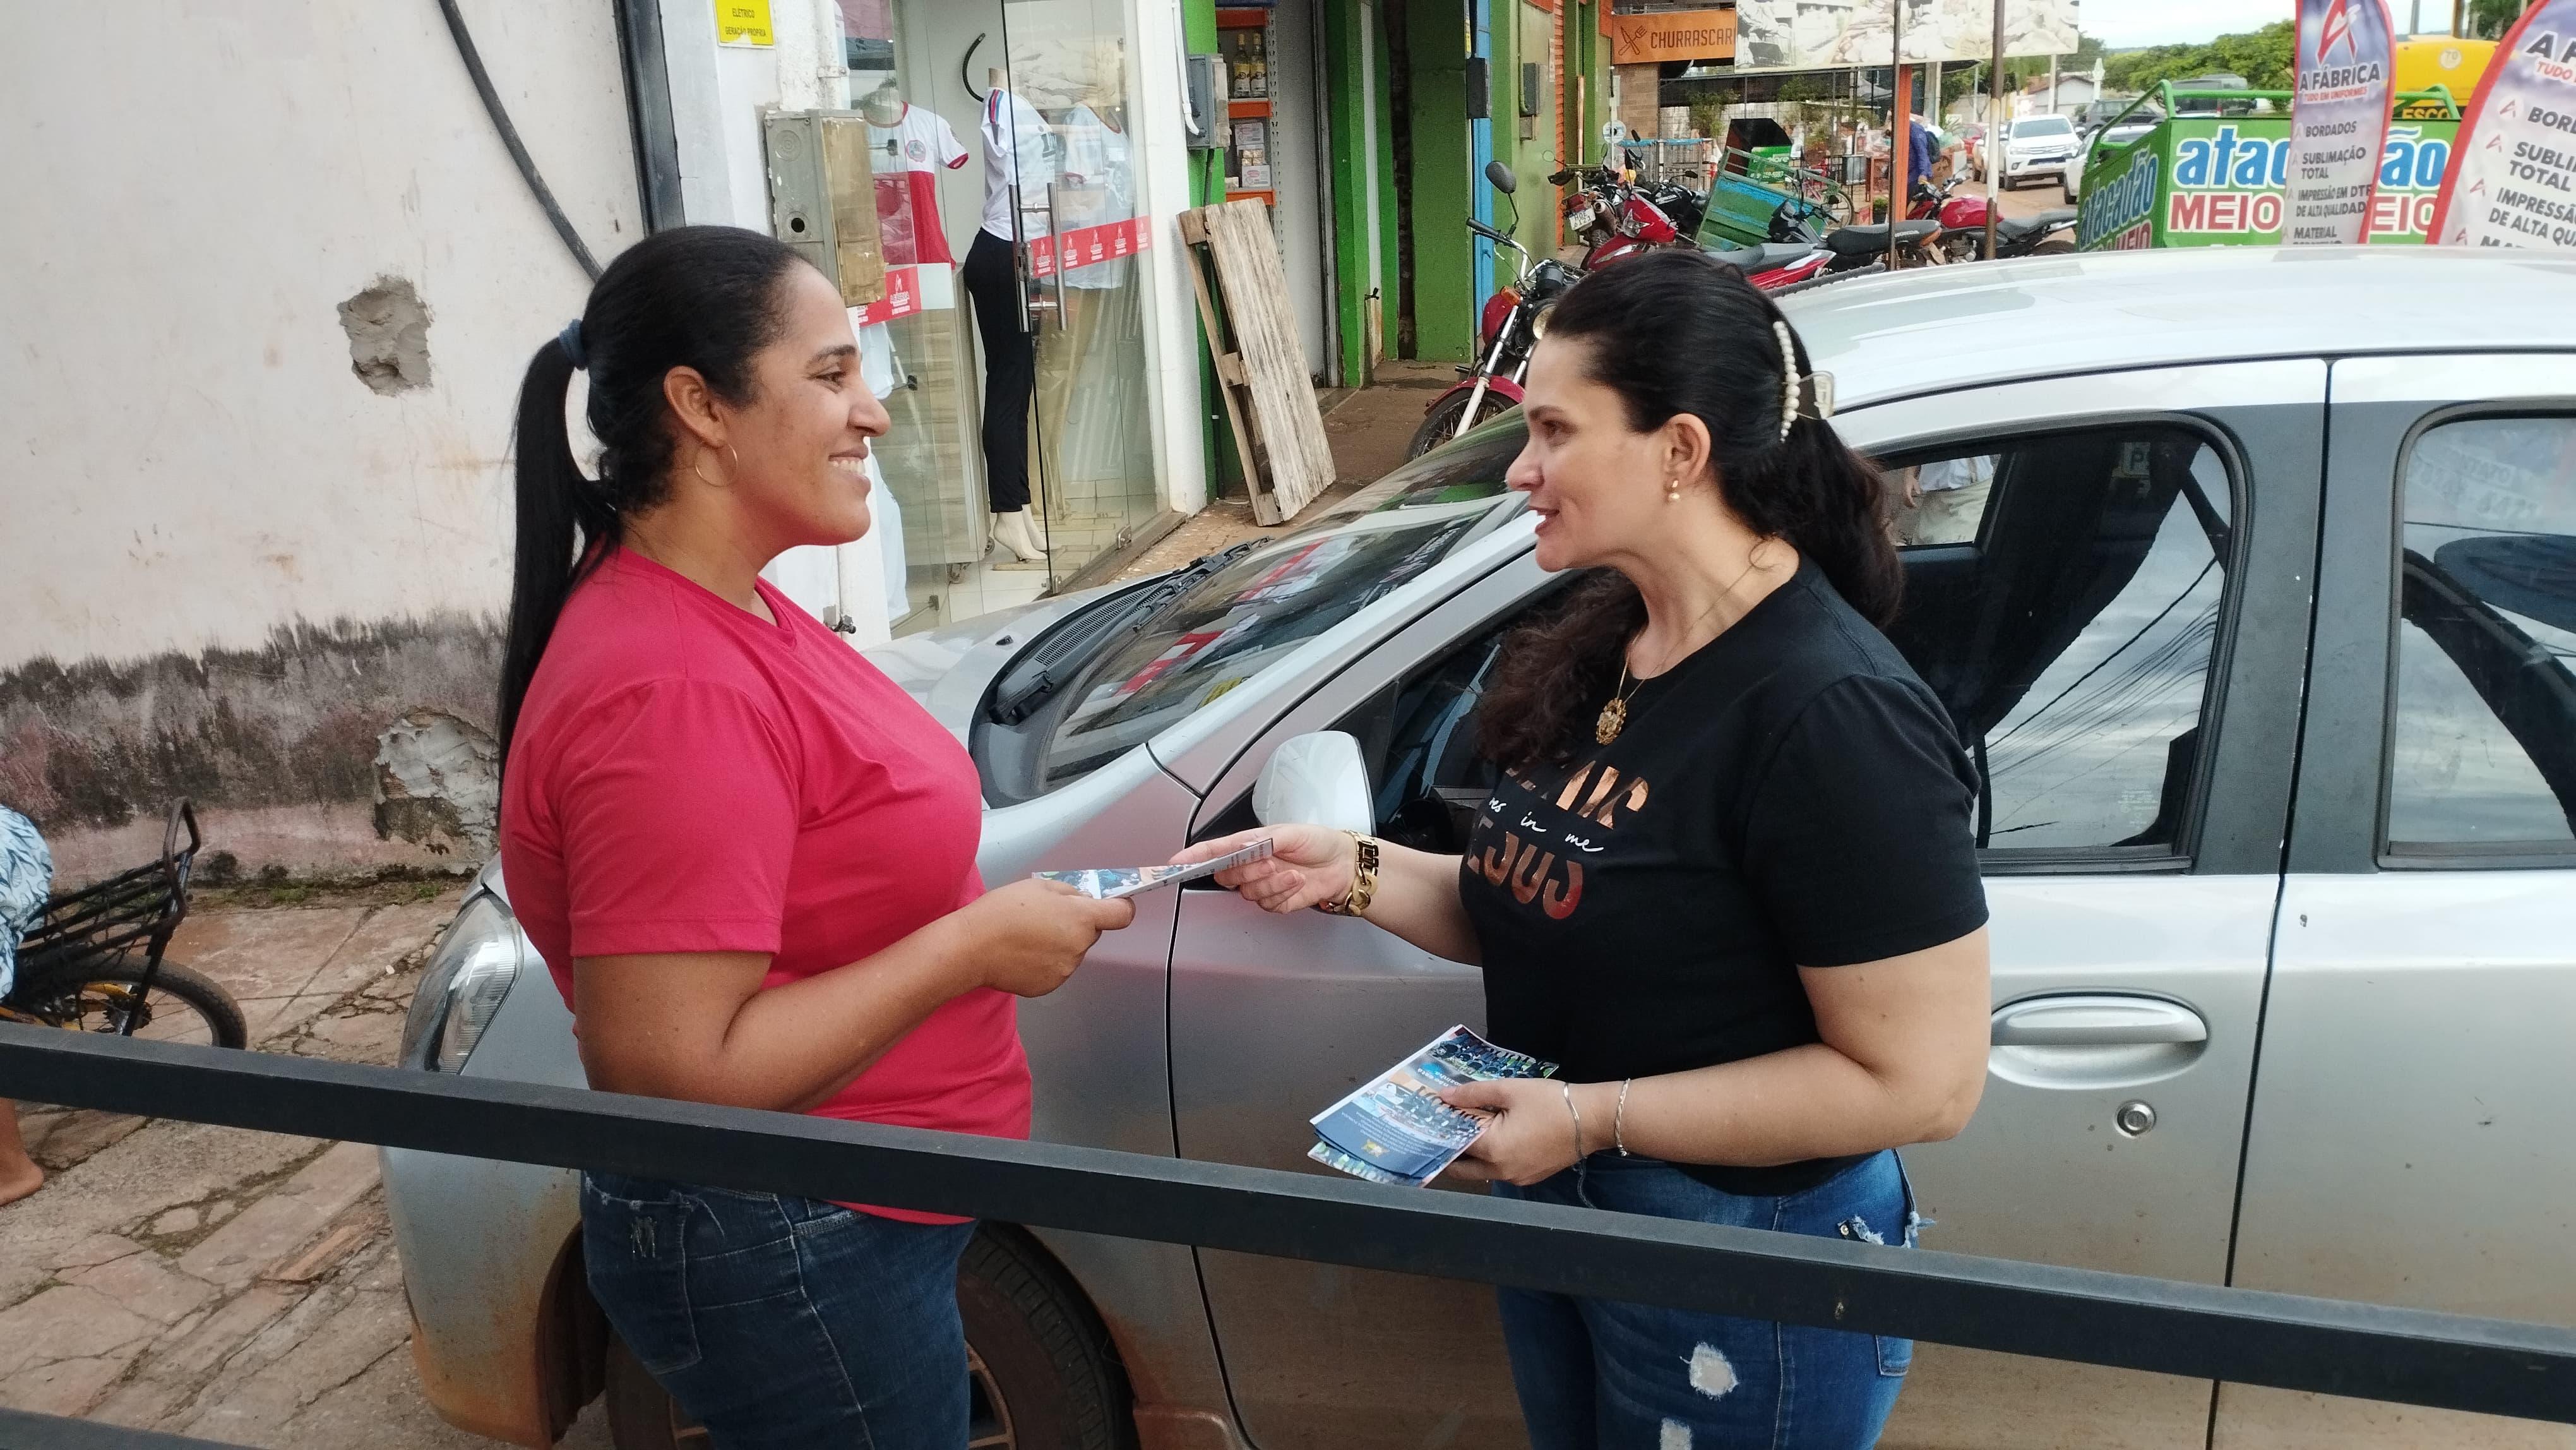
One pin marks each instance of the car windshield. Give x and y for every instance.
(1250, 608)
(2043, 126)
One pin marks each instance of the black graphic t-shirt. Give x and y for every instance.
(1789, 795)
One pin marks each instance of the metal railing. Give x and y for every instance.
(2203, 1331)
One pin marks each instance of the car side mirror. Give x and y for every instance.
(1316, 780)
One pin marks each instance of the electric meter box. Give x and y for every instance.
(823, 197)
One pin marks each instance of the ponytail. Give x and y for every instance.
(559, 513)
(1675, 332)
(706, 298)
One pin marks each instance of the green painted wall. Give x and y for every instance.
(1348, 76)
(1207, 187)
(1521, 33)
(1444, 253)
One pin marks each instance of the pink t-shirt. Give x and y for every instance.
(688, 777)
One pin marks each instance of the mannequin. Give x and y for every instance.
(1019, 161)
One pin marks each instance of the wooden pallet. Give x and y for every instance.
(1270, 400)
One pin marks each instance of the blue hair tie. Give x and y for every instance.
(570, 341)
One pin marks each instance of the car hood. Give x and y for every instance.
(948, 669)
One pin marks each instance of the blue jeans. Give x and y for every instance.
(1595, 1375)
(782, 1322)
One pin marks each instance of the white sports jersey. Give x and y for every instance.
(908, 192)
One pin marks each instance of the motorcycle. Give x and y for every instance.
(1506, 331)
(1963, 225)
(1613, 218)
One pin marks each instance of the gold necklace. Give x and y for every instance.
(1614, 716)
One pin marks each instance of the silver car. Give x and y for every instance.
(2249, 575)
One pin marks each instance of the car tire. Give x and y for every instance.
(1045, 1375)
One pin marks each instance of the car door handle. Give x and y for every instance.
(2096, 1021)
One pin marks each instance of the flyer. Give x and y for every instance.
(1395, 1129)
(1109, 883)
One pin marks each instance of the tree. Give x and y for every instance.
(2490, 19)
(2261, 56)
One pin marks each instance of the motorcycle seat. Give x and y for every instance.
(2056, 216)
(1765, 256)
(1867, 240)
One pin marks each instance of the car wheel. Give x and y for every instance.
(1041, 1371)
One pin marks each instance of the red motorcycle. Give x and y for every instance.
(1612, 217)
(1963, 225)
(1505, 333)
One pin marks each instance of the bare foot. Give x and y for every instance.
(20, 1179)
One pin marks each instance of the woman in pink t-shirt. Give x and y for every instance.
(746, 856)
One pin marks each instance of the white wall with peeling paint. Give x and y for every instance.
(187, 460)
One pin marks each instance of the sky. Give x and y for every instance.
(2124, 23)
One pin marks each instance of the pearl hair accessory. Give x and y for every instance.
(1788, 377)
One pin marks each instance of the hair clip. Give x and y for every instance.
(1789, 391)
(1816, 396)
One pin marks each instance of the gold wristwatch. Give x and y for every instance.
(1363, 878)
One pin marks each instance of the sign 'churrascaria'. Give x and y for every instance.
(2338, 120)
(2514, 182)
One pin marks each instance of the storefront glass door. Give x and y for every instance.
(1071, 128)
(1009, 122)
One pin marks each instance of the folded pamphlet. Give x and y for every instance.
(1395, 1128)
(1108, 883)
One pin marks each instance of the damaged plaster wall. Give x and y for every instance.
(266, 321)
(388, 722)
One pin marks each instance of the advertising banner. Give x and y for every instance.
(2338, 117)
(2515, 184)
(2204, 181)
(1831, 34)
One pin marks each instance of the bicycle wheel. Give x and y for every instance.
(99, 994)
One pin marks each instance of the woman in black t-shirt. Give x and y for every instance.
(1727, 879)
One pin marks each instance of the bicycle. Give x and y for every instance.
(94, 962)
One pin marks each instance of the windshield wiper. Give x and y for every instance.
(1051, 663)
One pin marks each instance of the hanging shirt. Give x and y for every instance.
(1097, 153)
(908, 194)
(1017, 146)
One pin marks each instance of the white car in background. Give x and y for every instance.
(2042, 148)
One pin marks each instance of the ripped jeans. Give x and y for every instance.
(1596, 1375)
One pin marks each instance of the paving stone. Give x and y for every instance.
(265, 956)
(331, 1353)
(90, 1252)
(146, 1284)
(62, 1138)
(69, 1322)
(289, 1215)
(177, 1365)
(65, 1387)
(354, 1037)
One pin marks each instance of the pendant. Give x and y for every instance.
(1614, 718)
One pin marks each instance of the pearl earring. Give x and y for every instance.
(1672, 490)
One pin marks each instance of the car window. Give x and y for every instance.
(2043, 126)
(1246, 613)
(2482, 741)
(2067, 612)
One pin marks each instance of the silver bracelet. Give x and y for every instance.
(1568, 1089)
(1619, 1120)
